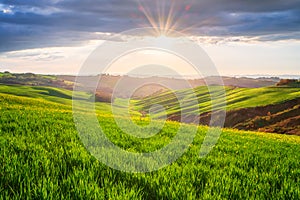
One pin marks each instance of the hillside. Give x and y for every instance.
(283, 118)
(43, 158)
(246, 107)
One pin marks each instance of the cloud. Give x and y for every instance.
(50, 23)
(35, 54)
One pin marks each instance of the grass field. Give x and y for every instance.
(43, 158)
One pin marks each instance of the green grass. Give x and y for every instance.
(236, 98)
(47, 93)
(42, 158)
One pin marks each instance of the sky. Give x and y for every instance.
(240, 37)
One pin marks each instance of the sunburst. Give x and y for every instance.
(166, 18)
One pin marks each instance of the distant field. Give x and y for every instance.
(47, 93)
(43, 158)
(51, 95)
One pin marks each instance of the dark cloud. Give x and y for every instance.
(42, 23)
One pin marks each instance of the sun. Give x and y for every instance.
(164, 40)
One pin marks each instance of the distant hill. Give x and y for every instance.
(151, 85)
(30, 79)
(109, 84)
(288, 83)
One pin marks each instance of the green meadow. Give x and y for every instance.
(42, 156)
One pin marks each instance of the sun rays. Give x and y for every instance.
(167, 16)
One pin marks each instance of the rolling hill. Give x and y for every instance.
(247, 108)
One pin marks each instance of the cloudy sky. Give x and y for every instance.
(241, 37)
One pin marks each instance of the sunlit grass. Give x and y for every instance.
(43, 158)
